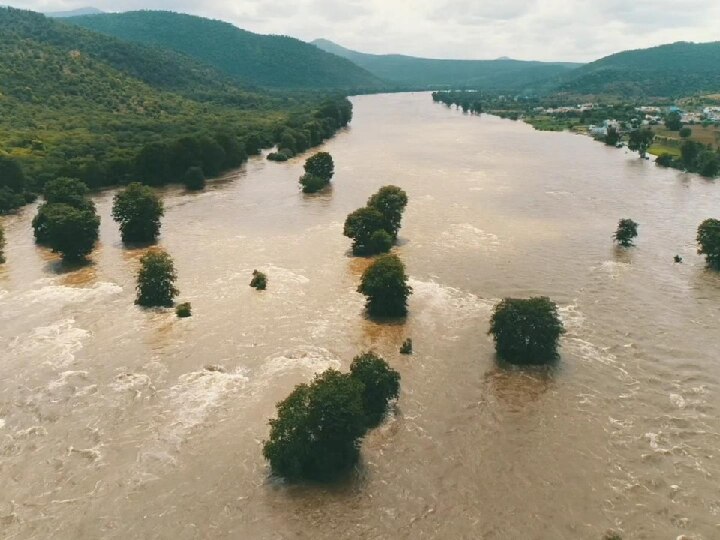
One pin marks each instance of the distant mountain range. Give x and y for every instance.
(74, 12)
(262, 60)
(410, 71)
(675, 70)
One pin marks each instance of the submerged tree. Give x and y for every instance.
(194, 179)
(138, 210)
(258, 281)
(183, 310)
(526, 331)
(627, 231)
(380, 382)
(156, 280)
(69, 192)
(321, 165)
(390, 201)
(708, 238)
(384, 283)
(361, 225)
(312, 184)
(70, 231)
(318, 429)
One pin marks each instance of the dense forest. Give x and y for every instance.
(268, 61)
(78, 104)
(674, 70)
(423, 73)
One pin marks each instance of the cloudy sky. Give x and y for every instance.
(572, 30)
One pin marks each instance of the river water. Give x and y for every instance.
(121, 423)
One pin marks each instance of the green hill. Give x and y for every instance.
(268, 61)
(81, 104)
(417, 73)
(674, 70)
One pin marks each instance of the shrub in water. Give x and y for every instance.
(626, 232)
(183, 310)
(380, 382)
(259, 280)
(156, 280)
(384, 283)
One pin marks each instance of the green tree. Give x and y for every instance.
(70, 191)
(612, 137)
(318, 429)
(689, 153)
(640, 141)
(380, 242)
(361, 225)
(390, 201)
(311, 183)
(381, 384)
(708, 238)
(11, 175)
(664, 160)
(627, 231)
(194, 179)
(156, 280)
(320, 165)
(673, 121)
(526, 331)
(258, 281)
(138, 210)
(70, 231)
(384, 283)
(685, 132)
(2, 244)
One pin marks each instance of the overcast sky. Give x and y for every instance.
(572, 30)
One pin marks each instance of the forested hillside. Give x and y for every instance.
(79, 104)
(269, 61)
(675, 70)
(420, 73)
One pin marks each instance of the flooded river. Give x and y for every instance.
(112, 425)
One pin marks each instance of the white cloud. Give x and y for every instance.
(573, 30)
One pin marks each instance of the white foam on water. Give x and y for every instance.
(57, 343)
(440, 305)
(465, 235)
(613, 268)
(573, 319)
(68, 378)
(60, 294)
(678, 401)
(2, 423)
(306, 358)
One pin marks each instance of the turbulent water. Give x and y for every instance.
(121, 423)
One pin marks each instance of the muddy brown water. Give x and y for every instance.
(112, 427)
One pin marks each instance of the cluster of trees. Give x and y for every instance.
(374, 228)
(82, 105)
(301, 134)
(67, 221)
(138, 210)
(14, 188)
(526, 331)
(467, 101)
(639, 140)
(319, 426)
(694, 157)
(708, 238)
(319, 170)
(385, 286)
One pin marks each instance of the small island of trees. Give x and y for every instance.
(319, 170)
(156, 280)
(319, 426)
(526, 331)
(374, 228)
(384, 283)
(67, 222)
(138, 210)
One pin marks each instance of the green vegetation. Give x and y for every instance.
(194, 179)
(384, 283)
(408, 72)
(70, 231)
(84, 105)
(612, 138)
(673, 121)
(259, 281)
(319, 170)
(526, 331)
(692, 157)
(183, 310)
(269, 61)
(467, 101)
(156, 280)
(708, 238)
(406, 347)
(685, 132)
(2, 244)
(138, 210)
(640, 140)
(320, 426)
(67, 222)
(675, 70)
(375, 227)
(627, 231)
